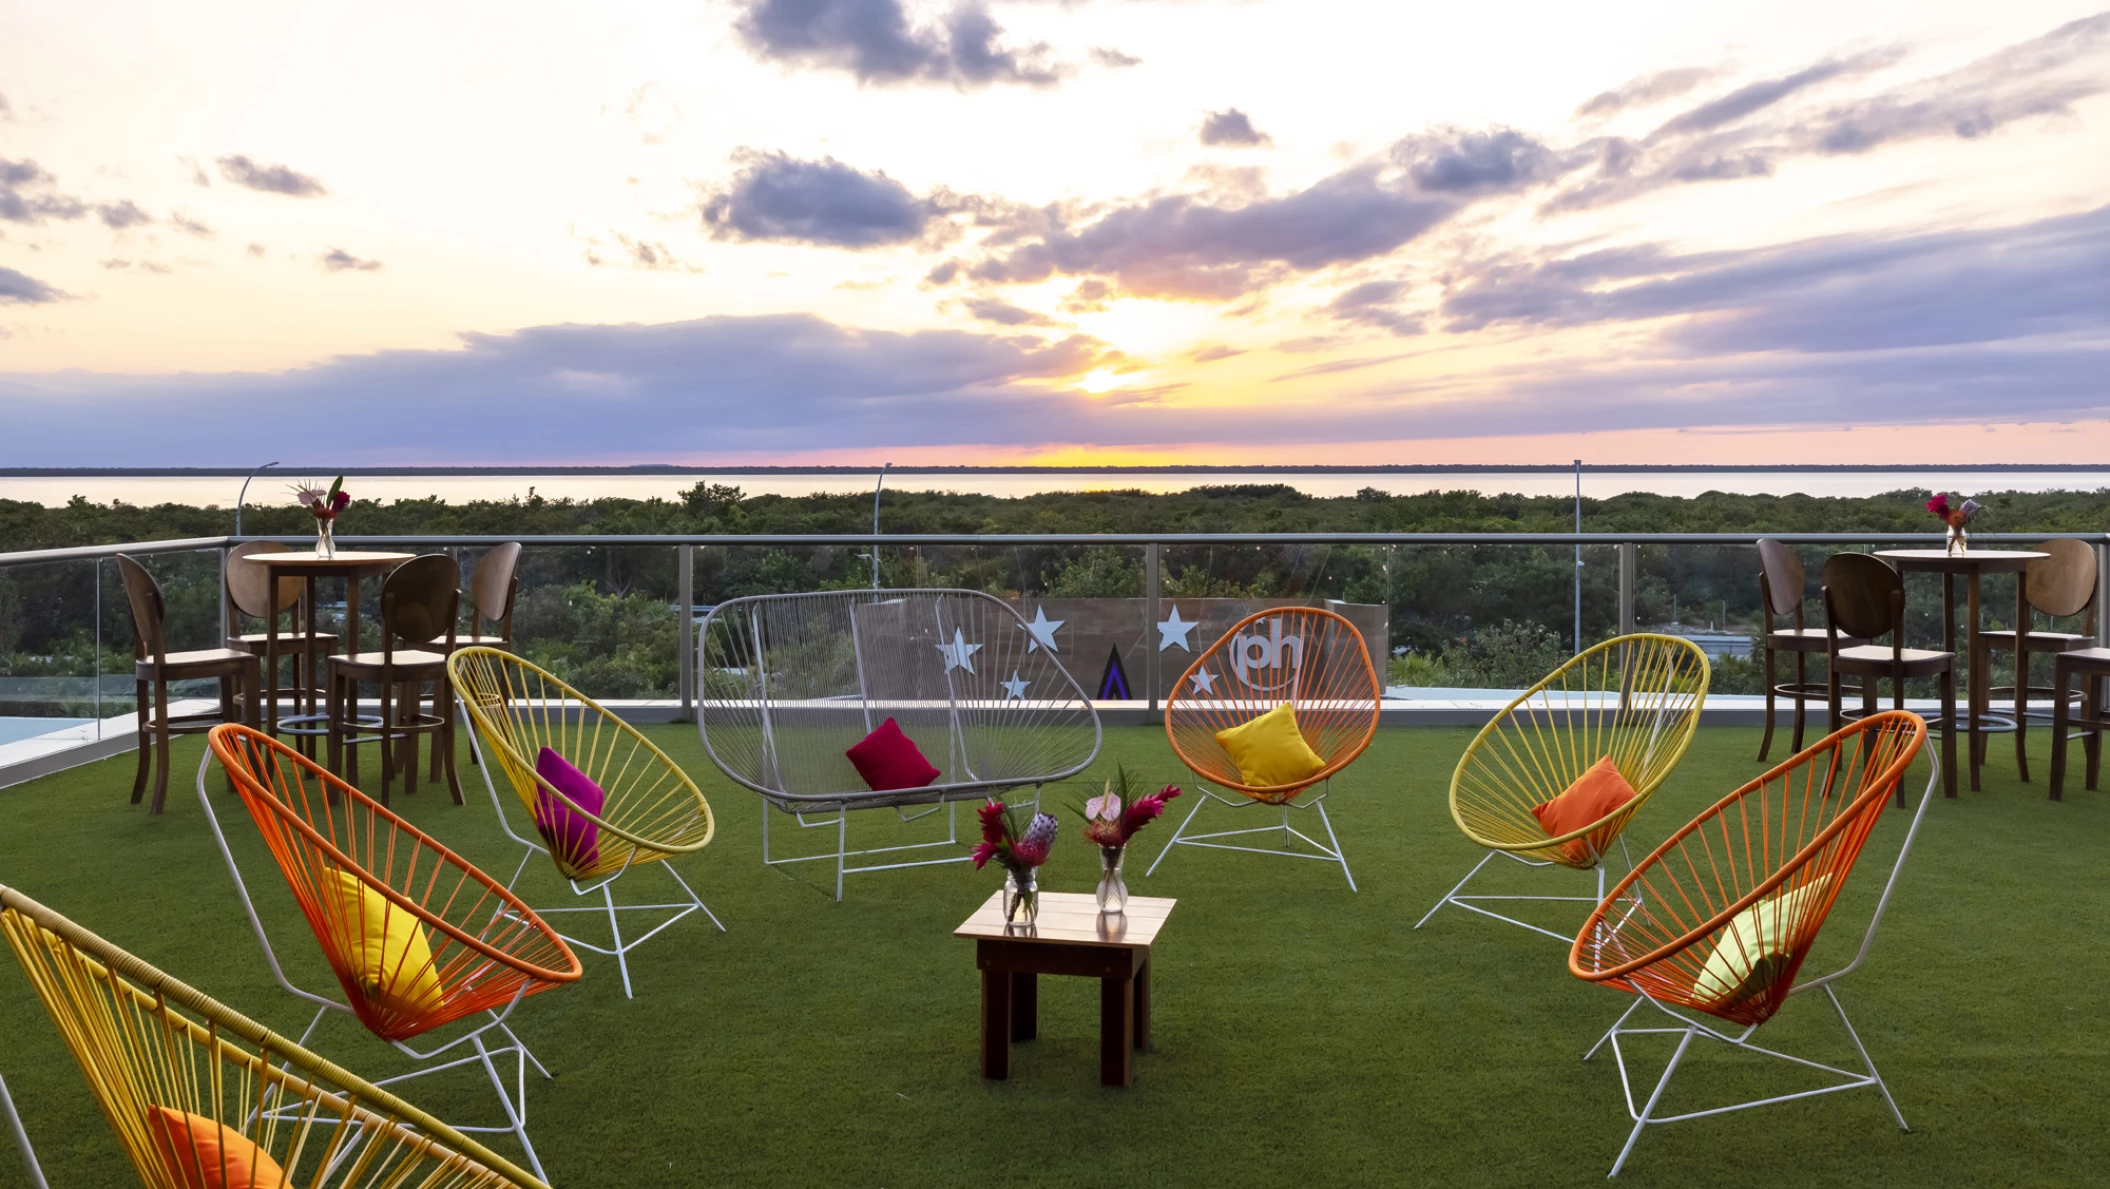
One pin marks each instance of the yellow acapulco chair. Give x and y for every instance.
(198, 1092)
(1633, 698)
(653, 811)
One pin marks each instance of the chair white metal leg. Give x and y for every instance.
(1328, 851)
(14, 1124)
(1688, 1029)
(842, 854)
(1470, 902)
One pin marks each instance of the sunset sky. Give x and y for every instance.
(1235, 231)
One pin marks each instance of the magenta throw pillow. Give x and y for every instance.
(888, 759)
(572, 836)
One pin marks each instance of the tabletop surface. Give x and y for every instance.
(343, 557)
(1073, 918)
(1969, 557)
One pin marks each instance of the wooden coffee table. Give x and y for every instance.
(1071, 937)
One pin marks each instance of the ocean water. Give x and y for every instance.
(274, 487)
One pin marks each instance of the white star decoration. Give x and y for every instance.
(1015, 688)
(959, 654)
(1043, 630)
(1204, 681)
(1173, 631)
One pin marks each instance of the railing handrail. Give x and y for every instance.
(865, 540)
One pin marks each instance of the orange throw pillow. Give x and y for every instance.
(197, 1150)
(1594, 794)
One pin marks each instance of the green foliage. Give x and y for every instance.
(617, 646)
(1508, 656)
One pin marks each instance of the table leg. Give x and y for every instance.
(2061, 674)
(1117, 1030)
(1976, 695)
(1025, 1006)
(305, 698)
(996, 1024)
(2021, 675)
(1948, 612)
(271, 661)
(1143, 1006)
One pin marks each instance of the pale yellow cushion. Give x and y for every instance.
(1738, 967)
(395, 957)
(1270, 751)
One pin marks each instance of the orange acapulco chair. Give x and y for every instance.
(417, 937)
(651, 813)
(1712, 928)
(201, 1095)
(1307, 658)
(1634, 700)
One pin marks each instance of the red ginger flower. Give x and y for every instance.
(1939, 505)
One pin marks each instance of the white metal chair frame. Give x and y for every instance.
(1687, 1028)
(619, 949)
(14, 1126)
(1326, 852)
(485, 1055)
(837, 805)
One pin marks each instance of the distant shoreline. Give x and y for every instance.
(1182, 469)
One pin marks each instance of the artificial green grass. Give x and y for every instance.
(1305, 1034)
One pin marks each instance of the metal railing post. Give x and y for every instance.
(1151, 559)
(687, 636)
(1626, 588)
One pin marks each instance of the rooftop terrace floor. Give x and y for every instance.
(1305, 1034)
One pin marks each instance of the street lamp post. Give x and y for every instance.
(875, 522)
(245, 495)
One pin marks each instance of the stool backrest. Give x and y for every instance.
(419, 601)
(1783, 575)
(1863, 596)
(148, 610)
(2064, 583)
(249, 586)
(494, 583)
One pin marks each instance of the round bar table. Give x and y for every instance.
(1971, 563)
(350, 565)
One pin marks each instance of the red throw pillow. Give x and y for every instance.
(1594, 794)
(888, 759)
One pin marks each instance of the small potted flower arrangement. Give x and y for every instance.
(1958, 517)
(324, 506)
(1110, 820)
(1021, 852)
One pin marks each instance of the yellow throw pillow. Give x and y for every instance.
(394, 957)
(1270, 751)
(1746, 958)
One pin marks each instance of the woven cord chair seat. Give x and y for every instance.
(1786, 841)
(1635, 698)
(486, 948)
(1322, 670)
(653, 811)
(788, 683)
(149, 1044)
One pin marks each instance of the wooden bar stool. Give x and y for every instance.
(419, 604)
(2092, 665)
(2058, 585)
(1781, 583)
(1864, 597)
(154, 667)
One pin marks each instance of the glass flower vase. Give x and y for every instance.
(1959, 540)
(1021, 897)
(325, 538)
(1113, 892)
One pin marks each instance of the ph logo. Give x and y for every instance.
(1249, 654)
